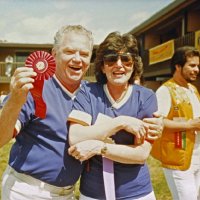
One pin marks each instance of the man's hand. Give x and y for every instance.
(21, 82)
(194, 124)
(155, 127)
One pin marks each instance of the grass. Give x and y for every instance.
(158, 180)
(4, 154)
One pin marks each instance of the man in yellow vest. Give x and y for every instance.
(179, 147)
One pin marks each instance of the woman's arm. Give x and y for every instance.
(128, 154)
(106, 127)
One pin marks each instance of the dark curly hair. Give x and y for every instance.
(115, 42)
(180, 56)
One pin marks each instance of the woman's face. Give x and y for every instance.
(118, 67)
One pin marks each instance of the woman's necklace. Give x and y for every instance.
(120, 99)
(117, 102)
(122, 95)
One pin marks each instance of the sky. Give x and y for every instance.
(37, 21)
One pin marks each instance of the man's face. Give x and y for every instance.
(191, 69)
(72, 59)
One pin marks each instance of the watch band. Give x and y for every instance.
(104, 149)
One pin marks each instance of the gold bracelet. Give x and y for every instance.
(109, 140)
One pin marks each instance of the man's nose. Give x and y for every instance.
(197, 68)
(77, 56)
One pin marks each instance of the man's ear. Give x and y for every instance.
(178, 67)
(53, 52)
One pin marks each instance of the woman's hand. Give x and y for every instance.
(86, 149)
(135, 126)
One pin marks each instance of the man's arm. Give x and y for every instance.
(20, 84)
(164, 104)
(8, 117)
(192, 124)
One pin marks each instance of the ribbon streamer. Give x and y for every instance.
(108, 177)
(44, 65)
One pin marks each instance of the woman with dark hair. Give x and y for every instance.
(107, 121)
(111, 45)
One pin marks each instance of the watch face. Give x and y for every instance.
(42, 63)
(104, 149)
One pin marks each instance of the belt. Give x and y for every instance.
(36, 182)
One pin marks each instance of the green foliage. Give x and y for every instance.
(158, 180)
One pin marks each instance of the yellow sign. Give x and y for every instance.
(162, 52)
(197, 39)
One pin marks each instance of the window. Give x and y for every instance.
(21, 56)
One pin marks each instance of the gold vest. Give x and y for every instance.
(174, 149)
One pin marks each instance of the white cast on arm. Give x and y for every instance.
(80, 129)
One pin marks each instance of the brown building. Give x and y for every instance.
(18, 52)
(176, 25)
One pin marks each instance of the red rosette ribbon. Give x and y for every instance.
(44, 65)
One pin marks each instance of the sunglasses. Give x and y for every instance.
(111, 59)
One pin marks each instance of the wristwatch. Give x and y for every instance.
(104, 149)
